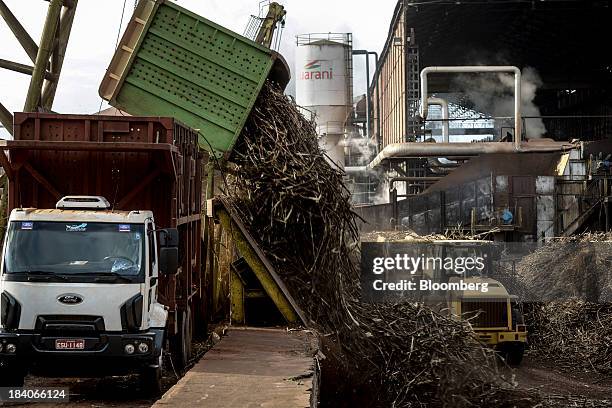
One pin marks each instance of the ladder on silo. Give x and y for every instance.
(413, 125)
(348, 58)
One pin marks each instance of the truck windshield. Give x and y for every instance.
(74, 248)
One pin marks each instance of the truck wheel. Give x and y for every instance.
(151, 379)
(181, 344)
(189, 337)
(514, 354)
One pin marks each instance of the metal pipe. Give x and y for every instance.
(22, 68)
(367, 95)
(378, 130)
(414, 178)
(21, 34)
(42, 58)
(444, 105)
(65, 27)
(359, 170)
(367, 55)
(375, 81)
(414, 149)
(479, 69)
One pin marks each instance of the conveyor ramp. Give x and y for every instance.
(251, 367)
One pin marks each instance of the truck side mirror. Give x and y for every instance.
(168, 260)
(168, 237)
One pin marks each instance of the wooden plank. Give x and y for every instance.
(252, 367)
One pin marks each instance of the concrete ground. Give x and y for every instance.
(250, 367)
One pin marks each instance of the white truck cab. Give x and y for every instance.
(78, 287)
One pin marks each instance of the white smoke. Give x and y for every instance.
(361, 149)
(382, 192)
(494, 95)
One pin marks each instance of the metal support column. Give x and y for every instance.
(65, 27)
(23, 69)
(6, 118)
(286, 305)
(42, 58)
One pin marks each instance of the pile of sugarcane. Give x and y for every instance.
(576, 334)
(576, 266)
(570, 321)
(296, 205)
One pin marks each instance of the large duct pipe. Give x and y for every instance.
(479, 69)
(359, 170)
(463, 149)
(445, 126)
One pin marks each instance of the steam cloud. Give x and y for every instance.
(494, 95)
(362, 146)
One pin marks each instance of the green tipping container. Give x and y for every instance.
(172, 62)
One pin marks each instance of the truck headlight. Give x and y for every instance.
(11, 348)
(143, 348)
(129, 349)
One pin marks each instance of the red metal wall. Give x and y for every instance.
(154, 164)
(166, 183)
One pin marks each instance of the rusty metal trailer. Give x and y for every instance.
(137, 163)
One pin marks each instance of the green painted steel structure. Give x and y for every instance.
(172, 62)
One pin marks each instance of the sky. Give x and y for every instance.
(94, 33)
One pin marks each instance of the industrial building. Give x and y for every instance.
(459, 89)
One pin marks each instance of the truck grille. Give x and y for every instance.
(493, 313)
(69, 325)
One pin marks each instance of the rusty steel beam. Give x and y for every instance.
(23, 68)
(47, 41)
(6, 165)
(65, 27)
(21, 34)
(139, 188)
(6, 118)
(42, 180)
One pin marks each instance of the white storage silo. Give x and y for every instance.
(324, 86)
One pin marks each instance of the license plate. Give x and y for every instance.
(70, 344)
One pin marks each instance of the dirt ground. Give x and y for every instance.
(98, 392)
(121, 391)
(564, 388)
(560, 388)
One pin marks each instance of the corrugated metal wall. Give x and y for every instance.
(389, 119)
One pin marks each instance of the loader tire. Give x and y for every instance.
(515, 355)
